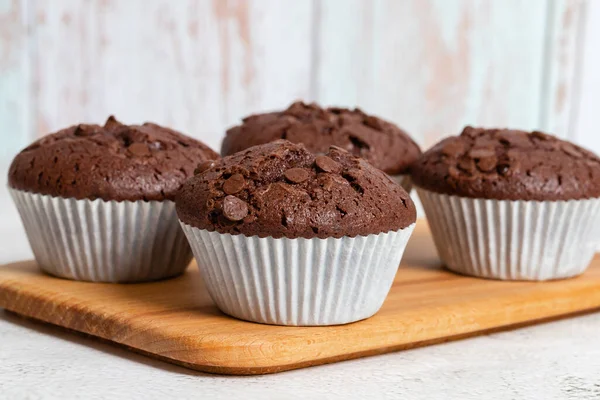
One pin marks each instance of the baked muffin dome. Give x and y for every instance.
(505, 164)
(382, 143)
(110, 162)
(280, 189)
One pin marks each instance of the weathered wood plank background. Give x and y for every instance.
(432, 66)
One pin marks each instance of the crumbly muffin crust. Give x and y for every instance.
(508, 164)
(110, 162)
(382, 143)
(280, 189)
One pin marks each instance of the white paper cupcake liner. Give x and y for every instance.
(403, 180)
(513, 240)
(298, 281)
(104, 241)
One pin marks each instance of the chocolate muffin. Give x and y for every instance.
(510, 204)
(111, 162)
(276, 218)
(382, 143)
(282, 190)
(507, 164)
(97, 201)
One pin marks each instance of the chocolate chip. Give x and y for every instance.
(571, 150)
(466, 164)
(373, 122)
(453, 172)
(203, 166)
(297, 109)
(183, 143)
(139, 149)
(513, 139)
(81, 131)
(507, 138)
(453, 148)
(487, 164)
(296, 175)
(326, 164)
(111, 122)
(469, 131)
(234, 209)
(481, 153)
(234, 184)
(540, 135)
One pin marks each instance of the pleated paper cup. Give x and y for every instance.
(104, 241)
(403, 180)
(303, 282)
(513, 240)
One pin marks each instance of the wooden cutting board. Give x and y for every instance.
(177, 322)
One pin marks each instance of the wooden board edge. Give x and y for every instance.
(248, 371)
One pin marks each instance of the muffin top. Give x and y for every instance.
(280, 189)
(110, 162)
(508, 164)
(383, 144)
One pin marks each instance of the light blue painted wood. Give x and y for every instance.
(15, 123)
(197, 66)
(431, 66)
(560, 79)
(434, 66)
(587, 103)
